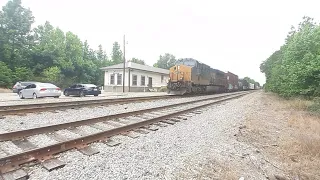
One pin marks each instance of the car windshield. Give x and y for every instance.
(25, 83)
(47, 85)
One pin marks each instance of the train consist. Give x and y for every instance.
(189, 76)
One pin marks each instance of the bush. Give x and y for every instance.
(5, 76)
(163, 89)
(315, 107)
(22, 74)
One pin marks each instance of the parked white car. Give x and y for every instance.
(37, 90)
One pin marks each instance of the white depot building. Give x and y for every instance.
(138, 78)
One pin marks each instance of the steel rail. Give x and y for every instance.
(13, 162)
(46, 129)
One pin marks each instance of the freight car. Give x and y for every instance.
(191, 76)
(232, 80)
(251, 86)
(243, 85)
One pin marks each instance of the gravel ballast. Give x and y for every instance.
(203, 146)
(7, 99)
(32, 120)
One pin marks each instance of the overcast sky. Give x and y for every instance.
(229, 35)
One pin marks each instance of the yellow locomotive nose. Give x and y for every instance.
(180, 78)
(180, 73)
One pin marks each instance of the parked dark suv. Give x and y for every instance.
(82, 90)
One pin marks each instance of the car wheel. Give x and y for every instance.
(96, 95)
(66, 93)
(81, 94)
(21, 95)
(34, 96)
(56, 97)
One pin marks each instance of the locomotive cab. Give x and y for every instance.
(179, 78)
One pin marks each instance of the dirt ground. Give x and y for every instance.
(285, 135)
(2, 90)
(271, 138)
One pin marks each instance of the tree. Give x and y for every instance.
(44, 49)
(15, 28)
(52, 74)
(249, 80)
(116, 55)
(74, 57)
(46, 53)
(138, 61)
(22, 74)
(294, 69)
(166, 61)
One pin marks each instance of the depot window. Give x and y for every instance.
(134, 80)
(112, 79)
(119, 79)
(143, 80)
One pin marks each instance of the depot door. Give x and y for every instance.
(150, 82)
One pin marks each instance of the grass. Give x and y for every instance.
(210, 169)
(291, 125)
(2, 90)
(315, 107)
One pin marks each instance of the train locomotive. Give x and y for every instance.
(189, 76)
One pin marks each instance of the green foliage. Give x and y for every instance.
(46, 53)
(22, 74)
(163, 89)
(249, 80)
(295, 68)
(15, 32)
(52, 74)
(5, 75)
(165, 61)
(139, 61)
(116, 53)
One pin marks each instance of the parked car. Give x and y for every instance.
(37, 90)
(82, 90)
(17, 88)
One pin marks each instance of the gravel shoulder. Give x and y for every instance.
(202, 147)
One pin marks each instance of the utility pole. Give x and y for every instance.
(124, 61)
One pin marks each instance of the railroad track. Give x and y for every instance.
(129, 123)
(39, 107)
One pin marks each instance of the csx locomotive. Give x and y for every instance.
(191, 76)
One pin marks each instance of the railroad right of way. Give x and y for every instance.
(147, 119)
(28, 108)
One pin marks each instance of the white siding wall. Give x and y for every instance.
(156, 78)
(107, 77)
